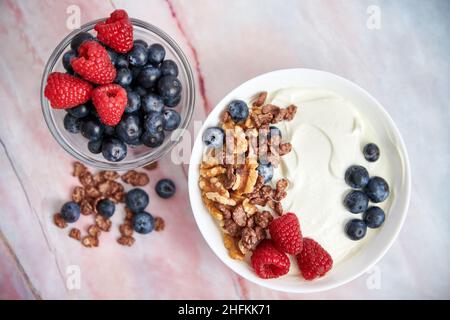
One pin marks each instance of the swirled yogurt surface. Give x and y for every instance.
(327, 136)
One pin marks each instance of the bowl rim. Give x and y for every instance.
(157, 153)
(193, 187)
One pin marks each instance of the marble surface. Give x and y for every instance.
(404, 64)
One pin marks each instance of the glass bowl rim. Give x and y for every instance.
(159, 152)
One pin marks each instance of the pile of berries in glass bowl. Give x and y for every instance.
(117, 93)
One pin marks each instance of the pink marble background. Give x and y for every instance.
(405, 64)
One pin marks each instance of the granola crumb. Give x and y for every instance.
(136, 179)
(94, 231)
(159, 224)
(90, 241)
(126, 241)
(126, 230)
(75, 234)
(59, 221)
(103, 223)
(261, 99)
(78, 194)
(151, 166)
(78, 169)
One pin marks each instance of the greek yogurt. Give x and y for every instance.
(327, 136)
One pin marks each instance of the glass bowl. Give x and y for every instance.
(76, 144)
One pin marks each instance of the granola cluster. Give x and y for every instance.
(96, 187)
(231, 188)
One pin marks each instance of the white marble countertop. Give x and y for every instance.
(403, 61)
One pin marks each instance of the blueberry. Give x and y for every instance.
(169, 68)
(172, 102)
(371, 152)
(152, 103)
(95, 146)
(94, 113)
(356, 177)
(106, 208)
(140, 42)
(72, 124)
(137, 56)
(374, 217)
(274, 132)
(133, 103)
(377, 189)
(135, 142)
(114, 149)
(112, 55)
(172, 119)
(67, 58)
(165, 188)
(80, 111)
(238, 110)
(213, 137)
(356, 201)
(169, 87)
(143, 222)
(79, 39)
(123, 77)
(355, 229)
(154, 122)
(70, 211)
(156, 54)
(121, 61)
(109, 130)
(266, 171)
(92, 129)
(136, 200)
(140, 91)
(148, 76)
(152, 139)
(135, 72)
(129, 128)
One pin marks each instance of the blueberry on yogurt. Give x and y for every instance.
(374, 217)
(356, 201)
(357, 177)
(355, 229)
(371, 152)
(377, 189)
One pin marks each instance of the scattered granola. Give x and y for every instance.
(99, 186)
(231, 188)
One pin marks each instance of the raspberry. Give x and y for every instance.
(313, 261)
(286, 234)
(110, 102)
(116, 32)
(268, 262)
(66, 91)
(93, 63)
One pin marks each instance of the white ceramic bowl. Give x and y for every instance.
(373, 250)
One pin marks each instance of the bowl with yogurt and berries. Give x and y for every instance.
(299, 180)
